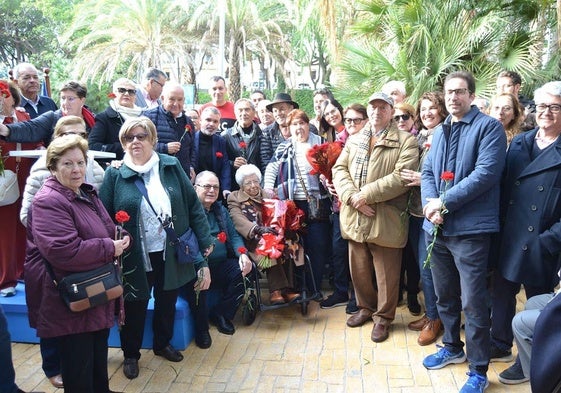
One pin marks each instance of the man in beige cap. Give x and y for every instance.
(373, 200)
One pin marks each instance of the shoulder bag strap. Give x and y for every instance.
(167, 227)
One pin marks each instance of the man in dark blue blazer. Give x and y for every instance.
(26, 77)
(209, 150)
(530, 233)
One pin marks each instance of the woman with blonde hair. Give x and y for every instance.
(506, 108)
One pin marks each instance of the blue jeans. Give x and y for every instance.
(317, 245)
(340, 261)
(7, 375)
(226, 278)
(459, 271)
(417, 240)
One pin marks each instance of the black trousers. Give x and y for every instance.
(227, 279)
(164, 313)
(84, 362)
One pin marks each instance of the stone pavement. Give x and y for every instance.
(283, 351)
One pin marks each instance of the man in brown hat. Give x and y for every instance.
(277, 132)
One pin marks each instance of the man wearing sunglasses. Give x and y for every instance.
(148, 94)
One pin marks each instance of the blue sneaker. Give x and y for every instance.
(476, 383)
(443, 357)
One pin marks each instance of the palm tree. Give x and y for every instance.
(420, 42)
(127, 37)
(250, 26)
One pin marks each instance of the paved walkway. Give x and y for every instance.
(282, 351)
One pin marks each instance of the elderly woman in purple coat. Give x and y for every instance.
(69, 227)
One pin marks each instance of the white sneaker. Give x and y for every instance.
(8, 292)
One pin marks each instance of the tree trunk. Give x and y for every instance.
(234, 66)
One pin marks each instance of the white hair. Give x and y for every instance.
(391, 86)
(552, 88)
(245, 171)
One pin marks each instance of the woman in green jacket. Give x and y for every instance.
(151, 262)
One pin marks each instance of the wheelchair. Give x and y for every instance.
(253, 302)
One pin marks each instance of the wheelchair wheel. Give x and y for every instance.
(304, 306)
(249, 310)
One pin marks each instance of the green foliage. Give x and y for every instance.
(305, 100)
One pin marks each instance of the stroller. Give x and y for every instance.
(302, 270)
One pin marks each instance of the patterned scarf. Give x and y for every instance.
(362, 156)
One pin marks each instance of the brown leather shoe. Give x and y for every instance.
(56, 381)
(430, 332)
(290, 297)
(360, 318)
(380, 332)
(418, 324)
(276, 297)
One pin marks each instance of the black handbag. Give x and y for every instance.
(84, 290)
(319, 209)
(187, 248)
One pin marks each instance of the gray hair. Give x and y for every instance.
(244, 100)
(202, 174)
(122, 81)
(392, 86)
(245, 171)
(17, 69)
(171, 86)
(212, 110)
(154, 73)
(552, 88)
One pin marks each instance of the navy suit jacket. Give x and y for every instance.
(220, 165)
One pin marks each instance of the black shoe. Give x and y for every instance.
(130, 368)
(334, 300)
(203, 340)
(499, 355)
(170, 353)
(513, 375)
(351, 308)
(413, 305)
(223, 325)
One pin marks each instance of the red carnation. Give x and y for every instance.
(122, 216)
(222, 237)
(188, 127)
(111, 95)
(219, 154)
(447, 176)
(243, 145)
(242, 250)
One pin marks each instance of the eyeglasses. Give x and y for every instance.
(82, 134)
(68, 99)
(553, 108)
(458, 92)
(158, 83)
(209, 187)
(122, 90)
(403, 117)
(251, 183)
(139, 137)
(355, 121)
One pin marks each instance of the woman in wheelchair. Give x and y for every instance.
(245, 207)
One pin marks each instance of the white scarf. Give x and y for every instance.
(151, 176)
(125, 111)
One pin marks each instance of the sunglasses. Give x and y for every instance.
(139, 137)
(122, 90)
(404, 117)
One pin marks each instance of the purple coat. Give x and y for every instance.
(74, 234)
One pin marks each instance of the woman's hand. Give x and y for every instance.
(203, 279)
(358, 200)
(245, 264)
(412, 178)
(121, 245)
(116, 163)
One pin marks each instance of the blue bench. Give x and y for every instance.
(15, 309)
